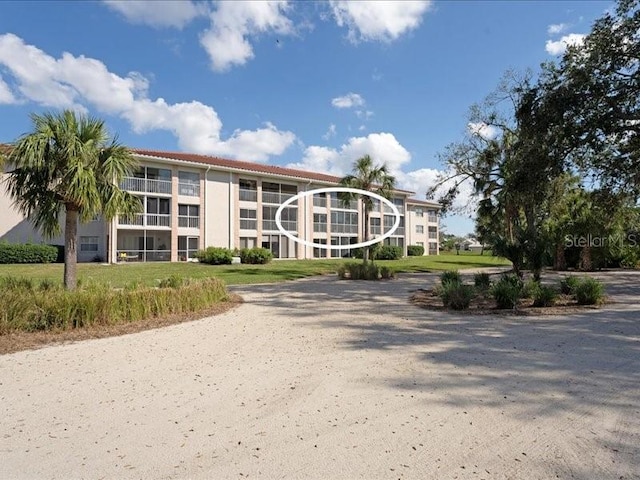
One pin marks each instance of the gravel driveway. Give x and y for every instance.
(321, 378)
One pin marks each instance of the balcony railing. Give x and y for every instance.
(149, 220)
(248, 195)
(289, 225)
(375, 230)
(189, 189)
(144, 255)
(387, 209)
(319, 201)
(277, 198)
(344, 228)
(134, 184)
(337, 203)
(319, 227)
(189, 222)
(248, 224)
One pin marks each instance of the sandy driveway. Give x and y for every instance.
(327, 379)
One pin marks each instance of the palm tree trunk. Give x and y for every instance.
(70, 247)
(365, 253)
(559, 262)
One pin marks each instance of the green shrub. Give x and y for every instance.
(256, 255)
(360, 271)
(482, 281)
(589, 291)
(27, 253)
(568, 285)
(530, 288)
(456, 295)
(174, 281)
(544, 296)
(387, 273)
(389, 252)
(507, 291)
(215, 256)
(374, 250)
(450, 276)
(27, 309)
(415, 250)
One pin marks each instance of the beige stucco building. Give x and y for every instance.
(194, 201)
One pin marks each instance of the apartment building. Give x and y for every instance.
(194, 201)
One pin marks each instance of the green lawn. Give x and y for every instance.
(149, 273)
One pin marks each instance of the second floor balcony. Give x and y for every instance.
(146, 185)
(146, 220)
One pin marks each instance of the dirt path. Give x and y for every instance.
(327, 379)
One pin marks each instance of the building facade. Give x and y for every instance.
(191, 202)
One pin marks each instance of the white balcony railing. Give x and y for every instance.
(248, 195)
(189, 222)
(276, 198)
(134, 184)
(288, 225)
(189, 189)
(149, 220)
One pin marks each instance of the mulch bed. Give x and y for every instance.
(17, 341)
(485, 305)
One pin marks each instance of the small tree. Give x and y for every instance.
(372, 178)
(68, 164)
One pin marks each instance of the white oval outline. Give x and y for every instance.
(357, 191)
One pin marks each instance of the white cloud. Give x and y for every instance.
(557, 28)
(481, 129)
(421, 180)
(5, 93)
(378, 20)
(331, 132)
(72, 82)
(167, 13)
(364, 114)
(560, 46)
(349, 100)
(232, 23)
(383, 148)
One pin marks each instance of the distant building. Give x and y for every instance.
(194, 201)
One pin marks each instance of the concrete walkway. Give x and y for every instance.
(321, 378)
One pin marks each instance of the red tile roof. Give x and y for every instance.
(241, 165)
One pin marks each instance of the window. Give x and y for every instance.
(433, 232)
(420, 244)
(189, 184)
(419, 228)
(247, 242)
(389, 220)
(158, 212)
(248, 219)
(375, 226)
(419, 212)
(344, 222)
(288, 218)
(277, 193)
(433, 248)
(346, 241)
(433, 216)
(248, 190)
(319, 199)
(187, 248)
(189, 216)
(319, 222)
(395, 241)
(336, 202)
(89, 244)
(320, 252)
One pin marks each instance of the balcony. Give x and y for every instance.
(149, 220)
(337, 203)
(276, 198)
(189, 222)
(144, 255)
(189, 189)
(145, 185)
(248, 195)
(319, 201)
(387, 209)
(288, 225)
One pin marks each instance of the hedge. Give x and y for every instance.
(389, 252)
(27, 253)
(215, 256)
(255, 255)
(415, 250)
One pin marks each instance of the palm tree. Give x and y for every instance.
(372, 178)
(69, 164)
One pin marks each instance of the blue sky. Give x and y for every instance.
(311, 85)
